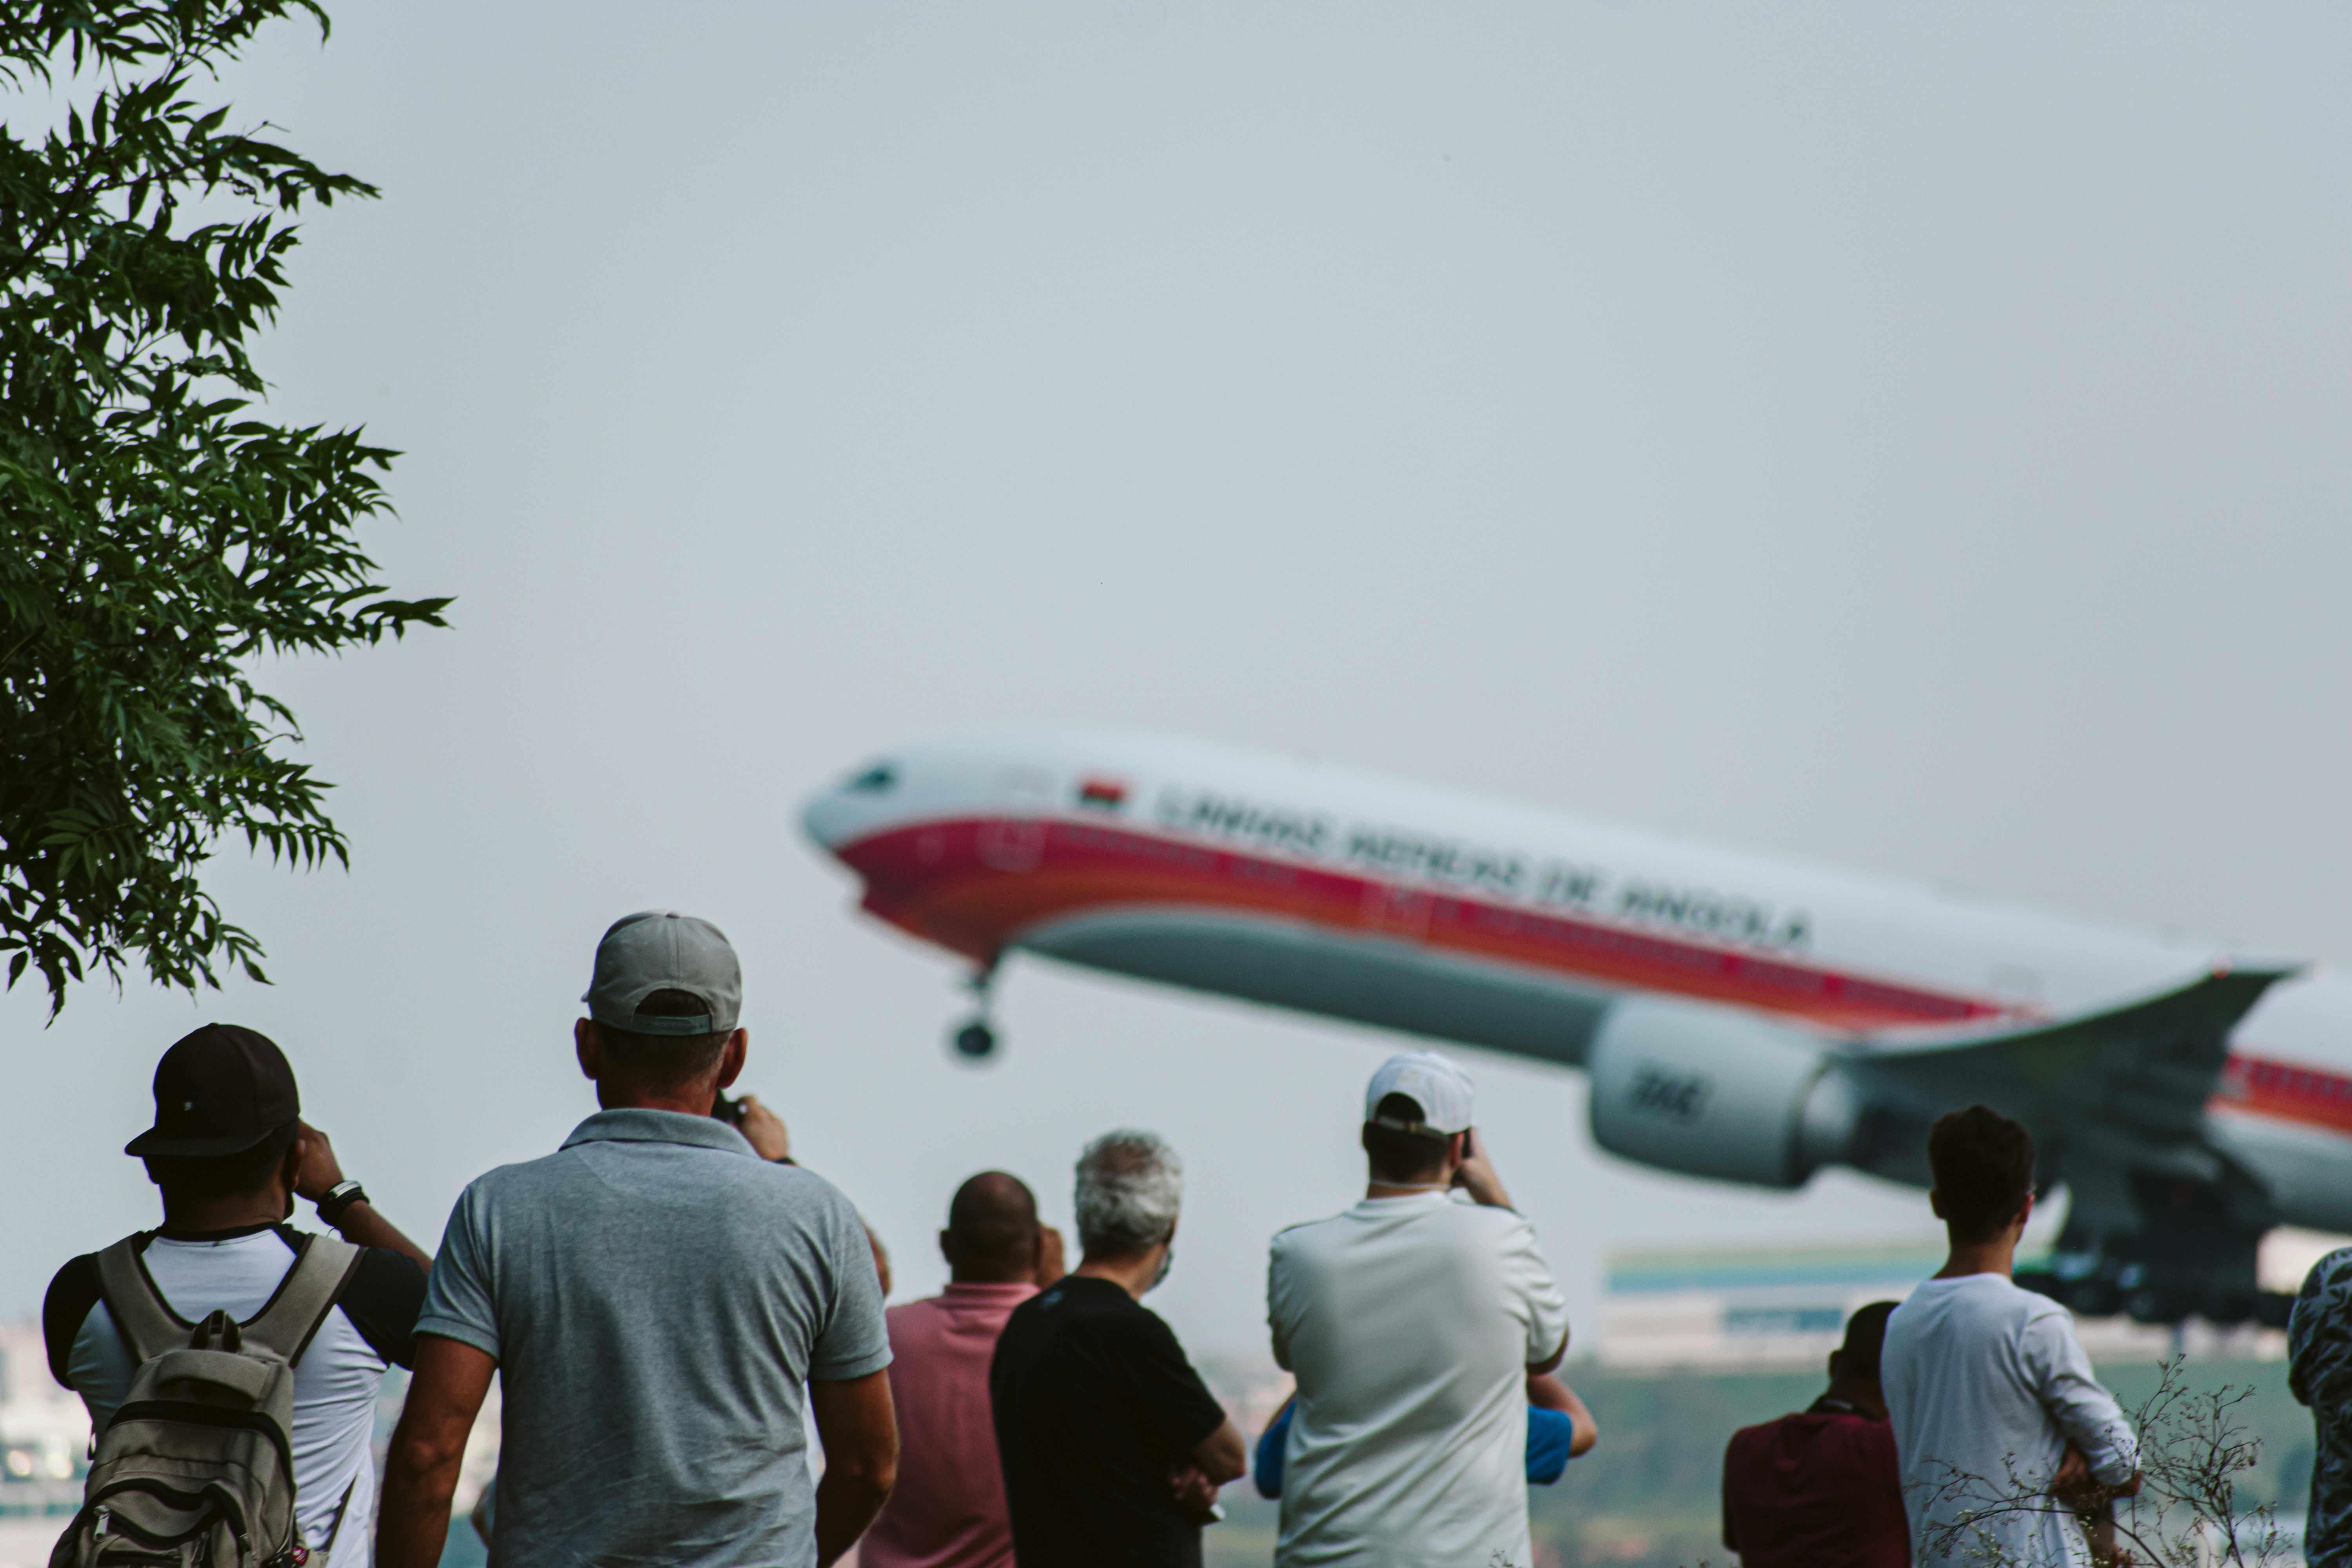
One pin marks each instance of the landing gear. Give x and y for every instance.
(975, 1041)
(2168, 1250)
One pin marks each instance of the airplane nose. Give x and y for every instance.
(835, 815)
(825, 819)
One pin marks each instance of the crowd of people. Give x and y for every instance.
(671, 1304)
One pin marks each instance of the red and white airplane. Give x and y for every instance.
(1740, 1018)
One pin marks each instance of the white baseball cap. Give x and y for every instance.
(1435, 1082)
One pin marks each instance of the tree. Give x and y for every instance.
(156, 540)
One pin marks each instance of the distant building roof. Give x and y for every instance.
(1773, 1267)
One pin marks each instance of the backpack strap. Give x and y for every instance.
(323, 1265)
(148, 1327)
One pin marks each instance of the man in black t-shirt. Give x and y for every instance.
(1112, 1449)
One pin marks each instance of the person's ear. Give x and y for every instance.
(588, 1048)
(730, 1061)
(2024, 1215)
(947, 1248)
(289, 1169)
(1834, 1366)
(1936, 1204)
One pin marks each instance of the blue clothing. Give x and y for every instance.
(1551, 1434)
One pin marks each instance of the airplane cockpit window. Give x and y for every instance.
(874, 780)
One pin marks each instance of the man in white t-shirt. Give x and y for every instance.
(2003, 1434)
(1412, 1320)
(229, 1151)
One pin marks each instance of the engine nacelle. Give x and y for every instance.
(1710, 1092)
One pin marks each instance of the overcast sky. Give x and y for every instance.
(1910, 437)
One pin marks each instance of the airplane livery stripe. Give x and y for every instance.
(974, 884)
(2283, 1092)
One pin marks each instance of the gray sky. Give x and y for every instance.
(1908, 437)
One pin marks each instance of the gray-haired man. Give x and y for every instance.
(655, 1297)
(1112, 1448)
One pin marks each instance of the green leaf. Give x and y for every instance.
(160, 535)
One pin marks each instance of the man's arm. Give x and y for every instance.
(1222, 1456)
(1477, 1175)
(2319, 1335)
(427, 1446)
(360, 1223)
(1550, 1394)
(2078, 1404)
(859, 1431)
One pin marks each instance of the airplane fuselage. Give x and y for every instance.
(1415, 910)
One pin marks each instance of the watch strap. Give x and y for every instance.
(336, 1200)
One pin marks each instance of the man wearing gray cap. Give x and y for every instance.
(1412, 1321)
(657, 1301)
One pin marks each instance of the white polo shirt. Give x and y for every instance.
(1411, 1323)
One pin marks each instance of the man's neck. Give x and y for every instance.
(1997, 1256)
(1434, 1180)
(686, 1102)
(1135, 1274)
(1866, 1398)
(1401, 1189)
(209, 1216)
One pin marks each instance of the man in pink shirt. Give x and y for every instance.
(948, 1510)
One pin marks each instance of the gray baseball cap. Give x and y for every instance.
(661, 949)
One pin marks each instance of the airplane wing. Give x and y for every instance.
(2138, 1073)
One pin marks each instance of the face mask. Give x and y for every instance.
(1167, 1261)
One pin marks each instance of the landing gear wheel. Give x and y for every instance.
(976, 1040)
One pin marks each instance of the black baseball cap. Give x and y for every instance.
(220, 1090)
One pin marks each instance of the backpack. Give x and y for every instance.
(197, 1466)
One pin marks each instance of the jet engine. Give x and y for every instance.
(1710, 1092)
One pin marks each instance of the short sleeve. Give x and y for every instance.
(1280, 1319)
(460, 1301)
(1176, 1407)
(856, 1339)
(71, 1296)
(383, 1300)
(1535, 1296)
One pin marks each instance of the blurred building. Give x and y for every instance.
(1753, 1308)
(44, 1449)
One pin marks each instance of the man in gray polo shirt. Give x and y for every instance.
(656, 1298)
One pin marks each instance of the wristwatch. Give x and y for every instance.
(336, 1199)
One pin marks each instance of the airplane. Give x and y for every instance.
(1740, 1017)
